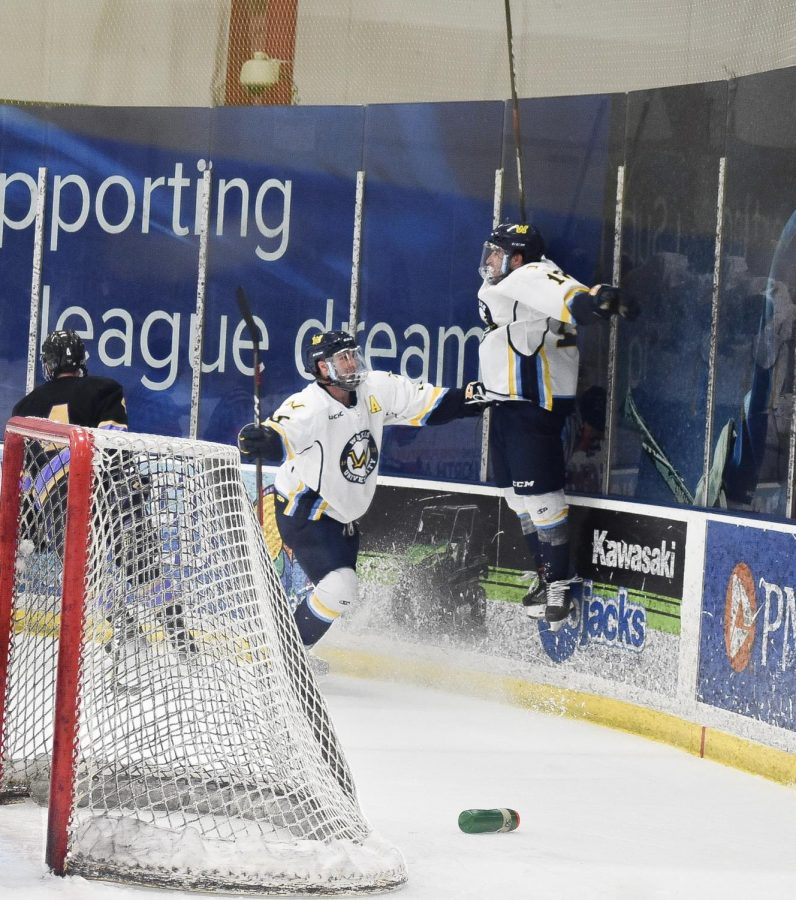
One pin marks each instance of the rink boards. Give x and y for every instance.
(686, 630)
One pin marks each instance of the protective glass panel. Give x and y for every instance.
(675, 138)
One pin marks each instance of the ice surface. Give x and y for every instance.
(604, 814)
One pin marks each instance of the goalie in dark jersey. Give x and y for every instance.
(71, 396)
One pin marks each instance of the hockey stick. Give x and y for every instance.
(515, 113)
(674, 481)
(248, 318)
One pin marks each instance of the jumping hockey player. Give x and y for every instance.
(71, 396)
(328, 438)
(529, 365)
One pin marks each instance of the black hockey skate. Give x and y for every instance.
(535, 600)
(560, 602)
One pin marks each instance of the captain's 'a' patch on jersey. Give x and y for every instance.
(359, 457)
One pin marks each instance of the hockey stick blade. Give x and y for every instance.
(674, 481)
(245, 310)
(254, 335)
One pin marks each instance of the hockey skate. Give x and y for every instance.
(535, 600)
(560, 602)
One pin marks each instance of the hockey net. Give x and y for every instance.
(155, 691)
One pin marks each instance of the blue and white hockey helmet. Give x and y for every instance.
(503, 243)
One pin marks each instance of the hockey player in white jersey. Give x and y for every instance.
(529, 365)
(328, 438)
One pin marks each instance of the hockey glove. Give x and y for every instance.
(609, 301)
(475, 392)
(457, 403)
(253, 440)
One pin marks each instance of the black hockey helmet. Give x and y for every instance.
(63, 351)
(522, 238)
(332, 347)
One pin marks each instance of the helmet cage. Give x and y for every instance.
(347, 368)
(486, 269)
(345, 365)
(522, 238)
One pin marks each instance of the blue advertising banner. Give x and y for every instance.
(284, 202)
(21, 140)
(121, 246)
(429, 198)
(747, 658)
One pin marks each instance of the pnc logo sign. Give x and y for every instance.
(740, 614)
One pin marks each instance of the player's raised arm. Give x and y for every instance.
(420, 403)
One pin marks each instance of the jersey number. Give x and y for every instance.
(59, 413)
(559, 277)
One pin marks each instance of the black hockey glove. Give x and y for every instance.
(457, 403)
(253, 440)
(475, 393)
(609, 301)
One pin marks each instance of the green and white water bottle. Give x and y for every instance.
(488, 821)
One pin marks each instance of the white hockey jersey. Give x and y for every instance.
(529, 349)
(332, 451)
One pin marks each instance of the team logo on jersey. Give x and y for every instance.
(359, 457)
(486, 316)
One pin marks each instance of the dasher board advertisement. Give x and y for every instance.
(747, 657)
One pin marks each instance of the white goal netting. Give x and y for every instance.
(203, 754)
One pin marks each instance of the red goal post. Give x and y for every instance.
(74, 566)
(153, 687)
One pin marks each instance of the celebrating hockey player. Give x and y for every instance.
(328, 439)
(529, 365)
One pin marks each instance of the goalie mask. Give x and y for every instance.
(503, 243)
(63, 351)
(345, 365)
